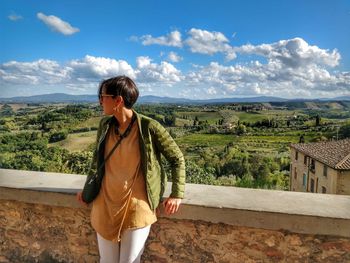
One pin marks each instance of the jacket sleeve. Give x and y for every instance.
(168, 147)
(93, 165)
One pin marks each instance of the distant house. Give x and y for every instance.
(321, 167)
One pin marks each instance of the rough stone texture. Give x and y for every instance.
(41, 233)
(198, 241)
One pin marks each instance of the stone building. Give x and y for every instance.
(321, 167)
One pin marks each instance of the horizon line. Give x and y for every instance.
(218, 98)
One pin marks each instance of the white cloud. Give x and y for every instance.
(91, 67)
(199, 41)
(14, 17)
(292, 68)
(148, 72)
(40, 71)
(57, 24)
(211, 91)
(205, 42)
(273, 78)
(86, 71)
(173, 57)
(293, 53)
(84, 74)
(143, 62)
(173, 39)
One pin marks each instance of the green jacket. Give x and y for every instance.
(154, 142)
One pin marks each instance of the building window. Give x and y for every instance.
(325, 170)
(304, 180)
(324, 190)
(312, 185)
(312, 166)
(296, 155)
(295, 173)
(305, 160)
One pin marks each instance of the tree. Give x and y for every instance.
(317, 120)
(247, 181)
(288, 123)
(344, 131)
(6, 110)
(199, 175)
(78, 162)
(58, 136)
(196, 121)
(241, 129)
(170, 120)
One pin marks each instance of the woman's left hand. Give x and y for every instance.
(171, 205)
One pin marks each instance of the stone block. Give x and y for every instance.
(43, 233)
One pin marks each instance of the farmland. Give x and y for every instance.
(232, 144)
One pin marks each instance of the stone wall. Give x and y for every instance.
(343, 184)
(41, 221)
(42, 233)
(32, 232)
(198, 241)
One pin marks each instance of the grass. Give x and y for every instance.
(265, 144)
(270, 139)
(271, 114)
(91, 122)
(211, 117)
(209, 140)
(77, 141)
(250, 117)
(182, 122)
(224, 139)
(16, 106)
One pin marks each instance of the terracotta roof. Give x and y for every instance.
(335, 154)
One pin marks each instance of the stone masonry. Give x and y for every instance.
(43, 233)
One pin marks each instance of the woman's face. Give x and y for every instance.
(108, 102)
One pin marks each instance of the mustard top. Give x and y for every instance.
(122, 202)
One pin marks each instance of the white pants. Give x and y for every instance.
(128, 250)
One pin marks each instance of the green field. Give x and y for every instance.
(208, 140)
(82, 140)
(259, 116)
(210, 116)
(255, 143)
(91, 122)
(268, 141)
(77, 141)
(248, 141)
(249, 117)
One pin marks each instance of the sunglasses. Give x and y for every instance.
(101, 96)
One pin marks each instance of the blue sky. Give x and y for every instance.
(192, 49)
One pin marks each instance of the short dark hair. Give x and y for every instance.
(120, 86)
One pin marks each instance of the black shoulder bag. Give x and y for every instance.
(93, 185)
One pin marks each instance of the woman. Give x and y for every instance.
(133, 177)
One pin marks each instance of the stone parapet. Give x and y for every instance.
(40, 221)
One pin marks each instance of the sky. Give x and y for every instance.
(185, 48)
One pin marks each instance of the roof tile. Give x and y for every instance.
(335, 154)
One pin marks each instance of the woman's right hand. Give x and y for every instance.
(80, 199)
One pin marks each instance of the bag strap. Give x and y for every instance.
(122, 136)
